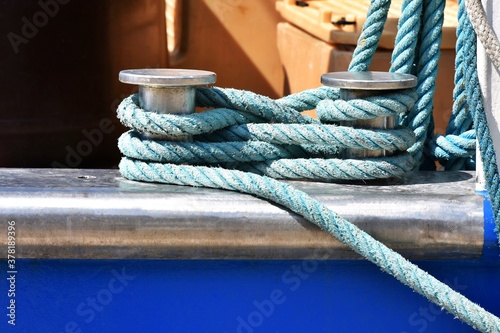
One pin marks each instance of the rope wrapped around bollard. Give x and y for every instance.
(304, 149)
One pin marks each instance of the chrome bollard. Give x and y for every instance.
(167, 90)
(355, 85)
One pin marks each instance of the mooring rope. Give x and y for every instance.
(476, 107)
(265, 138)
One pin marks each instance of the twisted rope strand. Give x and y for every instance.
(131, 115)
(403, 55)
(328, 135)
(255, 104)
(421, 114)
(388, 104)
(453, 146)
(131, 144)
(370, 35)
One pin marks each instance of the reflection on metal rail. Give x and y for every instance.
(97, 214)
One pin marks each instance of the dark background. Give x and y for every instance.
(64, 78)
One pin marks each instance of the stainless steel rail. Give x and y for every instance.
(69, 213)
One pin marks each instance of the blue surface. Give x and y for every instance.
(491, 249)
(238, 296)
(235, 296)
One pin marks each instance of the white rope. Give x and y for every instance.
(484, 31)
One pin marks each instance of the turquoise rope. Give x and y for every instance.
(475, 105)
(420, 116)
(453, 147)
(276, 149)
(456, 150)
(328, 135)
(370, 35)
(403, 55)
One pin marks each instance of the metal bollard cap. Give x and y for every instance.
(167, 77)
(369, 80)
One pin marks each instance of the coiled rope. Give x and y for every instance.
(271, 138)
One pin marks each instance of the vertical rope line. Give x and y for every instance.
(403, 55)
(430, 46)
(370, 35)
(475, 102)
(460, 119)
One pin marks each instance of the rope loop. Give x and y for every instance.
(388, 104)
